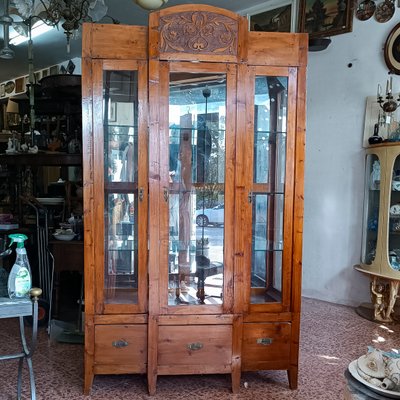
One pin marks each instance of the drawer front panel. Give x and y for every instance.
(195, 345)
(266, 345)
(124, 345)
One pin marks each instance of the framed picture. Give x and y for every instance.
(20, 85)
(277, 16)
(392, 50)
(2, 90)
(38, 76)
(53, 70)
(323, 18)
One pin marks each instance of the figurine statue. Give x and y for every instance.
(392, 296)
(375, 175)
(383, 298)
(377, 297)
(11, 146)
(33, 149)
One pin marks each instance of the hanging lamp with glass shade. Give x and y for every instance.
(6, 53)
(151, 4)
(68, 14)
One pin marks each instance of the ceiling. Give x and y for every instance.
(50, 48)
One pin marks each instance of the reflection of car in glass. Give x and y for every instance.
(213, 215)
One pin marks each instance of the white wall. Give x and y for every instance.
(334, 178)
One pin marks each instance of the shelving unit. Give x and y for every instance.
(32, 178)
(380, 258)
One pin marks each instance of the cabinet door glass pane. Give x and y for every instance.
(371, 208)
(120, 93)
(270, 117)
(394, 217)
(197, 109)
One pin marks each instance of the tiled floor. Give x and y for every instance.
(331, 337)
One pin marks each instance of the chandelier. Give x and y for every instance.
(70, 14)
(63, 14)
(388, 104)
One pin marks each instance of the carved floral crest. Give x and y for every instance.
(198, 32)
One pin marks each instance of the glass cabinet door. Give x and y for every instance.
(394, 217)
(122, 193)
(268, 188)
(371, 208)
(196, 191)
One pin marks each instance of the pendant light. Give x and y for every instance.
(151, 4)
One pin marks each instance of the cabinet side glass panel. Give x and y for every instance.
(197, 110)
(120, 121)
(270, 129)
(371, 208)
(394, 217)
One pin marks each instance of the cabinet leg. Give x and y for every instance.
(89, 354)
(152, 383)
(237, 340)
(236, 380)
(152, 353)
(88, 382)
(293, 377)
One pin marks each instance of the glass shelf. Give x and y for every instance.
(115, 126)
(267, 132)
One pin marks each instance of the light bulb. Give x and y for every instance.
(151, 4)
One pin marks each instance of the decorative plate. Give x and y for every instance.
(64, 236)
(365, 10)
(395, 209)
(9, 87)
(385, 11)
(388, 393)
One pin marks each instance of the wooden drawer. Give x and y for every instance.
(195, 349)
(266, 346)
(120, 348)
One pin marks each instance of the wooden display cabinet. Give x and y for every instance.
(202, 273)
(380, 259)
